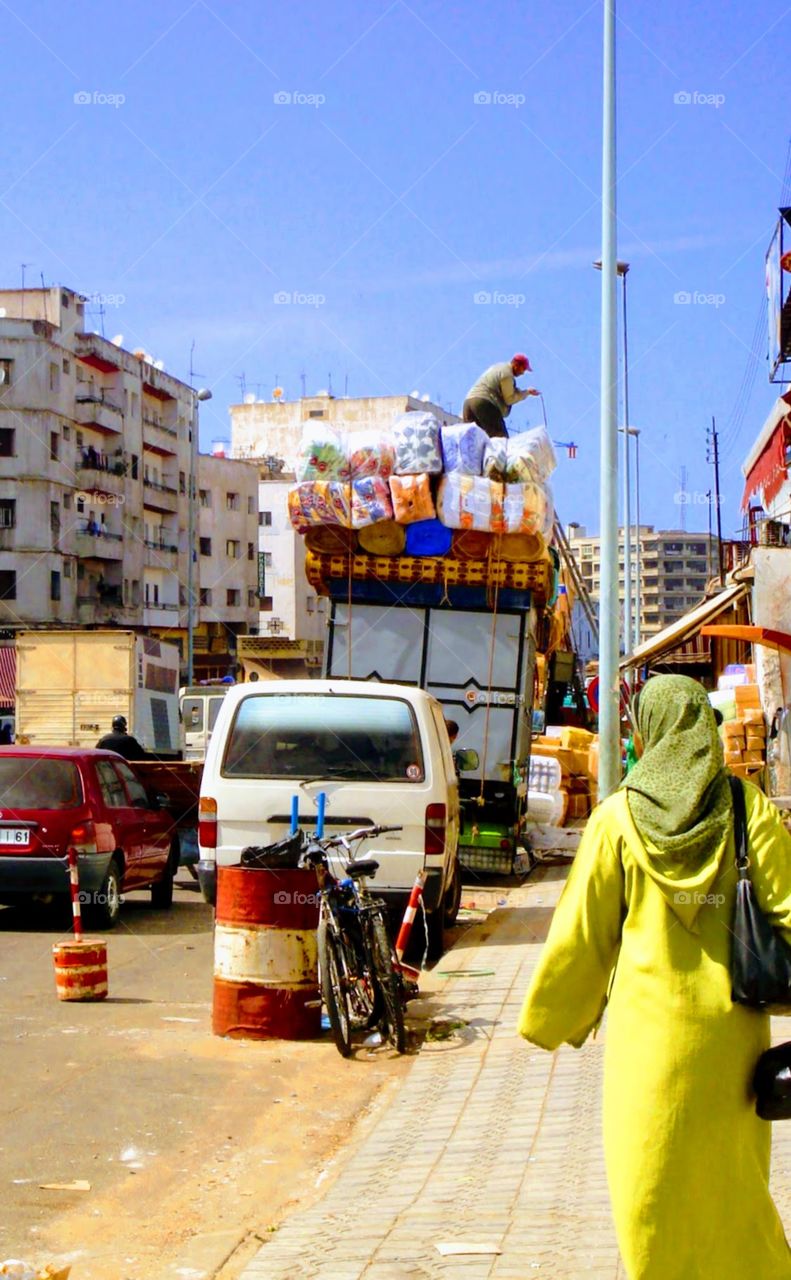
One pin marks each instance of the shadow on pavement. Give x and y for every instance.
(137, 916)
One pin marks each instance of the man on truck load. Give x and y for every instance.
(488, 402)
(121, 741)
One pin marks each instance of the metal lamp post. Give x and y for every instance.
(203, 394)
(638, 592)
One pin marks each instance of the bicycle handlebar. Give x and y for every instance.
(362, 833)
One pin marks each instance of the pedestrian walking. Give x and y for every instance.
(122, 741)
(644, 927)
(488, 401)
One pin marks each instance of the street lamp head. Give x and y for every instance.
(621, 267)
(203, 394)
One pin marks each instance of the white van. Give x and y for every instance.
(199, 707)
(379, 752)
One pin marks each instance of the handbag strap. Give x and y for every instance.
(739, 827)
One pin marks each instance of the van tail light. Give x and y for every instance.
(207, 822)
(83, 837)
(436, 818)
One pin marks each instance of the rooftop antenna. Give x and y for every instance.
(242, 380)
(23, 265)
(44, 295)
(302, 378)
(329, 384)
(683, 496)
(346, 387)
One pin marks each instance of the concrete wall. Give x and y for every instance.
(772, 608)
(220, 572)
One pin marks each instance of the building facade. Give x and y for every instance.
(675, 569)
(227, 562)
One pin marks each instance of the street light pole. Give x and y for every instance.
(638, 605)
(203, 394)
(623, 268)
(609, 684)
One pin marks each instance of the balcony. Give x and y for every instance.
(160, 497)
(96, 411)
(159, 438)
(99, 546)
(159, 555)
(98, 353)
(104, 606)
(163, 615)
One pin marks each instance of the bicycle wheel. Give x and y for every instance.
(389, 982)
(332, 969)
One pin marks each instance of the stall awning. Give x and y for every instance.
(765, 468)
(7, 675)
(685, 628)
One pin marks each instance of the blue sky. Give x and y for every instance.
(385, 197)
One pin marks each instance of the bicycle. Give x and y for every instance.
(361, 982)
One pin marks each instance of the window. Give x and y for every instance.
(233, 596)
(66, 432)
(205, 595)
(232, 501)
(51, 784)
(53, 446)
(7, 584)
(265, 519)
(266, 604)
(267, 555)
(66, 365)
(54, 517)
(67, 568)
(134, 787)
(310, 604)
(316, 413)
(7, 513)
(111, 786)
(6, 373)
(54, 376)
(54, 585)
(205, 498)
(7, 442)
(232, 548)
(81, 504)
(134, 466)
(250, 505)
(182, 482)
(250, 551)
(251, 600)
(135, 591)
(205, 546)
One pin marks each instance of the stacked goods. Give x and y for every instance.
(743, 730)
(424, 491)
(569, 753)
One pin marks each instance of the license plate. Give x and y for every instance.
(14, 835)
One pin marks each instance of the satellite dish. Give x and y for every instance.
(277, 394)
(414, 395)
(159, 364)
(149, 359)
(250, 397)
(3, 375)
(426, 399)
(322, 393)
(118, 340)
(139, 353)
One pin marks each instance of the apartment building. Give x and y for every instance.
(226, 562)
(293, 618)
(95, 453)
(675, 569)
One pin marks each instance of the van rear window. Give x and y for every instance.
(309, 735)
(27, 782)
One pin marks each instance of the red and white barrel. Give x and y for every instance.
(265, 955)
(81, 969)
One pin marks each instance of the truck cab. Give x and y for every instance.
(199, 706)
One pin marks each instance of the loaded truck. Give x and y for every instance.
(70, 685)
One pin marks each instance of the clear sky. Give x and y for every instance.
(420, 155)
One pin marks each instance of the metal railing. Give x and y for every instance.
(159, 546)
(157, 484)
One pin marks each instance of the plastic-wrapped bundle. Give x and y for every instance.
(525, 507)
(369, 453)
(417, 447)
(384, 539)
(330, 539)
(463, 447)
(322, 455)
(412, 498)
(319, 502)
(470, 502)
(530, 456)
(495, 458)
(428, 538)
(370, 501)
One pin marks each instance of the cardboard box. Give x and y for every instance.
(747, 695)
(733, 729)
(753, 757)
(732, 751)
(755, 742)
(754, 715)
(575, 739)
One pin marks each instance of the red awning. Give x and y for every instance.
(7, 675)
(769, 470)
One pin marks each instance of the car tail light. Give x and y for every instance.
(435, 830)
(207, 822)
(83, 837)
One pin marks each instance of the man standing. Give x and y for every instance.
(121, 741)
(488, 402)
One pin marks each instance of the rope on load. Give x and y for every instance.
(493, 553)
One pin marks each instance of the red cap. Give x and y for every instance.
(522, 361)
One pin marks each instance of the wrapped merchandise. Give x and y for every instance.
(530, 456)
(463, 448)
(495, 458)
(470, 544)
(525, 507)
(369, 453)
(319, 502)
(412, 498)
(470, 502)
(322, 455)
(383, 539)
(370, 501)
(428, 538)
(330, 539)
(521, 547)
(417, 444)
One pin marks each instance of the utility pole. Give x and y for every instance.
(713, 456)
(708, 558)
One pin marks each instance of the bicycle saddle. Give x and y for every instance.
(363, 867)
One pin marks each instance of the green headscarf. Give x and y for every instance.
(679, 795)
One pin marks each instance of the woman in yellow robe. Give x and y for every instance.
(643, 926)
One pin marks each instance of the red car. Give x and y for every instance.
(54, 797)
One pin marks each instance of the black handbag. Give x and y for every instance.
(760, 973)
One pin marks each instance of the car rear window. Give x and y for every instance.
(28, 783)
(329, 736)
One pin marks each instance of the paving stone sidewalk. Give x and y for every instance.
(488, 1142)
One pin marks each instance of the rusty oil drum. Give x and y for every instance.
(265, 956)
(81, 969)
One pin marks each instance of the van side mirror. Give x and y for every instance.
(466, 760)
